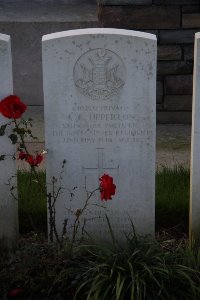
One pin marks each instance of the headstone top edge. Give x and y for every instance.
(106, 31)
(4, 37)
(197, 35)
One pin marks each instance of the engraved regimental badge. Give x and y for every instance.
(99, 74)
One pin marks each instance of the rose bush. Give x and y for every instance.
(107, 187)
(12, 107)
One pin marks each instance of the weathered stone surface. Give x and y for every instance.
(169, 52)
(159, 92)
(176, 2)
(174, 67)
(178, 102)
(100, 101)
(173, 117)
(184, 36)
(145, 17)
(191, 20)
(125, 2)
(188, 52)
(8, 205)
(195, 150)
(178, 85)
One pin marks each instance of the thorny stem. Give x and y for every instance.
(27, 152)
(54, 209)
(49, 196)
(52, 225)
(32, 170)
(21, 137)
(76, 222)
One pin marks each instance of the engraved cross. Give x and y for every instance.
(100, 164)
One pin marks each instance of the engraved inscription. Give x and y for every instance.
(93, 124)
(99, 74)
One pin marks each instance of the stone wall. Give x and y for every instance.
(175, 23)
(26, 22)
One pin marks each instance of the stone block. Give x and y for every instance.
(169, 52)
(145, 17)
(184, 36)
(191, 9)
(125, 2)
(26, 22)
(178, 85)
(159, 92)
(46, 2)
(176, 2)
(159, 107)
(188, 52)
(26, 50)
(174, 67)
(178, 102)
(160, 77)
(191, 20)
(174, 117)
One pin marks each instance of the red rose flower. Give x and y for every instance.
(22, 155)
(11, 107)
(30, 160)
(34, 162)
(107, 187)
(38, 159)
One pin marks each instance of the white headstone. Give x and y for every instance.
(195, 150)
(100, 116)
(8, 205)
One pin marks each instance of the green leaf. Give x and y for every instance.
(13, 138)
(2, 157)
(2, 129)
(110, 229)
(119, 286)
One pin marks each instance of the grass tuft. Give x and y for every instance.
(32, 203)
(172, 197)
